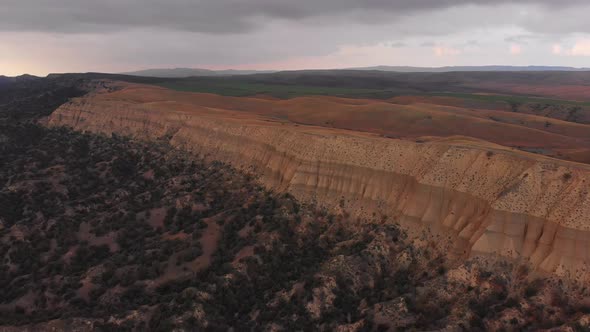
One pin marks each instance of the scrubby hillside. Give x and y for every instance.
(26, 97)
(105, 233)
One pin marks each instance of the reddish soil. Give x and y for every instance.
(67, 257)
(178, 236)
(209, 241)
(407, 117)
(244, 232)
(568, 92)
(149, 175)
(87, 286)
(157, 217)
(109, 239)
(247, 251)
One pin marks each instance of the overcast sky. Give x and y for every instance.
(43, 36)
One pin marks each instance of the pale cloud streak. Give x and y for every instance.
(445, 51)
(581, 48)
(515, 49)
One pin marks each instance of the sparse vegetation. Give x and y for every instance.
(79, 242)
(105, 233)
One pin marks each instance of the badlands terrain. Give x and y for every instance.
(334, 200)
(441, 167)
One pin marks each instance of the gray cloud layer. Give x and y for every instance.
(219, 16)
(41, 36)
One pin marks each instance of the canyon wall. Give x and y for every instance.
(475, 196)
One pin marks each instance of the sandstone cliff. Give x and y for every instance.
(484, 198)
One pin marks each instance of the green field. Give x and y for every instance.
(284, 91)
(241, 89)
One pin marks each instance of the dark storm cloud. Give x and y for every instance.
(212, 16)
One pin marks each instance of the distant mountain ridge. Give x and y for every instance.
(190, 72)
(409, 69)
(6, 81)
(200, 72)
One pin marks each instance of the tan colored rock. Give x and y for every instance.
(394, 314)
(322, 298)
(353, 327)
(584, 321)
(507, 202)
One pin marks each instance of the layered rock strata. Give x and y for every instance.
(484, 198)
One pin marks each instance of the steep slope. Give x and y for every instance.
(109, 234)
(484, 198)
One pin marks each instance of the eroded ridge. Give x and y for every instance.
(483, 197)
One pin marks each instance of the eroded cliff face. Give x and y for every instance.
(475, 196)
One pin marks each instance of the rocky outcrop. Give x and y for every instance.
(482, 198)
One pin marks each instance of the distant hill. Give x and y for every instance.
(5, 81)
(407, 69)
(190, 72)
(196, 72)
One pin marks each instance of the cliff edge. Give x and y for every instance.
(481, 197)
